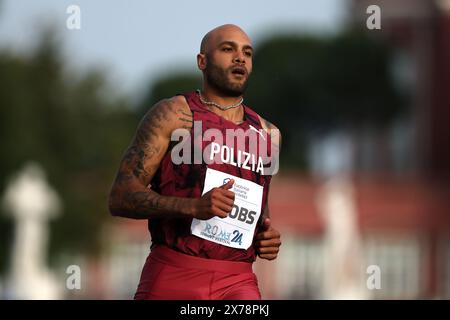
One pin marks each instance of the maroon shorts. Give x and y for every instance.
(168, 274)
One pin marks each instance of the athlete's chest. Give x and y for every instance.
(219, 141)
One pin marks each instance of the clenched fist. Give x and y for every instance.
(217, 202)
(268, 241)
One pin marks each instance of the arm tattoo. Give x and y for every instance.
(137, 200)
(186, 119)
(143, 203)
(144, 146)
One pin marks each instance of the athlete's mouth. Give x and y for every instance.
(239, 71)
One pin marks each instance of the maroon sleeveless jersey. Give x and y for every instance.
(187, 180)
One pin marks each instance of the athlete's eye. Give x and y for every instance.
(226, 49)
(248, 53)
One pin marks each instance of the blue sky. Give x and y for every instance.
(136, 41)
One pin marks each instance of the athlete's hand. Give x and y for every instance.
(268, 241)
(216, 202)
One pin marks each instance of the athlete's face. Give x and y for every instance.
(227, 62)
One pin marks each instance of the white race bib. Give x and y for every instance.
(237, 229)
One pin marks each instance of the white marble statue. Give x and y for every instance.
(31, 202)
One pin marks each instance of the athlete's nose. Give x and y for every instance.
(239, 58)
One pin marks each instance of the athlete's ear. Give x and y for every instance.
(201, 61)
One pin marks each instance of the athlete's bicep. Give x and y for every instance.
(150, 143)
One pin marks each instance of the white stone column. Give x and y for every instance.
(31, 202)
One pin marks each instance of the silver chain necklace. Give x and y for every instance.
(223, 108)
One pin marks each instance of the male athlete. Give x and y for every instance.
(208, 216)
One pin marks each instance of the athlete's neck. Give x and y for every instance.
(235, 115)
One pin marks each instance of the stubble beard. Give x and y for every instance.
(218, 78)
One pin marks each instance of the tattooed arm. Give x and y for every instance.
(130, 194)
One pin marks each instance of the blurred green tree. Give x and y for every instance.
(305, 84)
(168, 86)
(71, 124)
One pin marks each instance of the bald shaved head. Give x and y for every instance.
(225, 59)
(217, 33)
